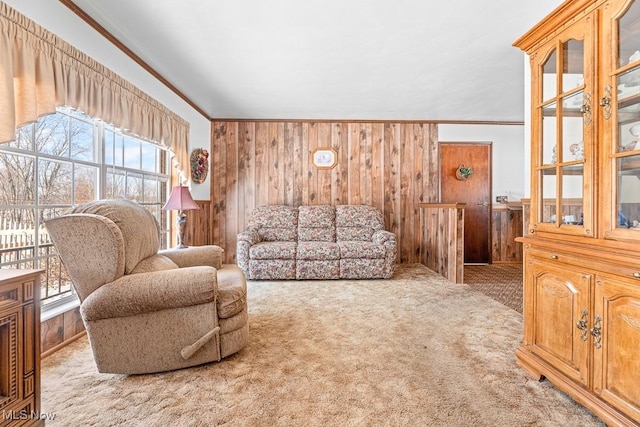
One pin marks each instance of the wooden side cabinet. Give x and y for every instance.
(20, 348)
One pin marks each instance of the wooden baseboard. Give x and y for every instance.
(62, 344)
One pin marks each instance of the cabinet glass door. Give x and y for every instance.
(565, 112)
(621, 107)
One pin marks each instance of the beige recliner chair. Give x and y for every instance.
(148, 311)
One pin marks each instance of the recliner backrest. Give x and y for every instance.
(91, 248)
(140, 229)
(101, 241)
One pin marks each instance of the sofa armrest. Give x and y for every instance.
(141, 293)
(383, 237)
(245, 240)
(249, 236)
(193, 256)
(390, 243)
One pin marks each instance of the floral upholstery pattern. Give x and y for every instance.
(275, 223)
(317, 223)
(368, 250)
(318, 251)
(318, 270)
(273, 250)
(272, 269)
(316, 242)
(357, 222)
(362, 269)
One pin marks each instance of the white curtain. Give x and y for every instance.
(39, 71)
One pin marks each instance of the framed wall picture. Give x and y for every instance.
(324, 158)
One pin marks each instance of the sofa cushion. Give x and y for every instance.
(357, 222)
(273, 250)
(316, 234)
(317, 223)
(318, 251)
(362, 250)
(275, 223)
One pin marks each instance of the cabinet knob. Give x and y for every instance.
(554, 256)
(636, 275)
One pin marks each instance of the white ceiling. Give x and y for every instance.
(334, 59)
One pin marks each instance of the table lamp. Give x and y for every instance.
(180, 200)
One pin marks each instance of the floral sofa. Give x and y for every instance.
(316, 242)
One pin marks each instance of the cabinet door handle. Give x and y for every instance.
(605, 102)
(582, 324)
(636, 275)
(596, 331)
(554, 256)
(586, 109)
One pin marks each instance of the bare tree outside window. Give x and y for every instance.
(60, 161)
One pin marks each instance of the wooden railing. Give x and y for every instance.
(18, 249)
(443, 239)
(15, 233)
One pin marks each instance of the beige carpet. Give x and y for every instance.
(416, 350)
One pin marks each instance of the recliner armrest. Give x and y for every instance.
(141, 293)
(192, 256)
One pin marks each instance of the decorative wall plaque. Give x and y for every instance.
(199, 165)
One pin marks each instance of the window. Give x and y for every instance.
(60, 161)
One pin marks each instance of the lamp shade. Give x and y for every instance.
(180, 200)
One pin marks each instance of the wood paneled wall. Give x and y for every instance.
(393, 166)
(198, 229)
(60, 330)
(506, 226)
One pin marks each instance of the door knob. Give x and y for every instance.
(485, 204)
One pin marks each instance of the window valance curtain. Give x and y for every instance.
(39, 71)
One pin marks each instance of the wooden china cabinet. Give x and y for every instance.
(582, 245)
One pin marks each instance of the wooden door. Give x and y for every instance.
(474, 191)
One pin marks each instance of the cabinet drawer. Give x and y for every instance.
(587, 263)
(10, 295)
